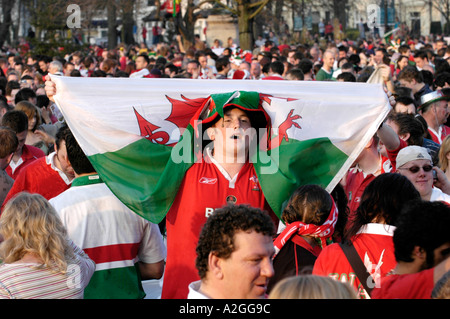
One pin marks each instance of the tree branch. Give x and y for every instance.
(233, 11)
(255, 4)
(257, 11)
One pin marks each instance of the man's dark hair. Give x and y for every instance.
(24, 94)
(441, 79)
(428, 77)
(42, 101)
(405, 100)
(296, 74)
(409, 73)
(277, 67)
(218, 233)
(11, 85)
(382, 200)
(403, 49)
(348, 66)
(354, 59)
(305, 65)
(343, 48)
(145, 56)
(75, 73)
(423, 224)
(298, 56)
(45, 59)
(172, 67)
(421, 54)
(15, 120)
(407, 123)
(221, 63)
(195, 62)
(62, 134)
(347, 77)
(79, 161)
(8, 141)
(402, 91)
(98, 74)
(4, 104)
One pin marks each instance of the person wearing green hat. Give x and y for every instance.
(222, 175)
(435, 112)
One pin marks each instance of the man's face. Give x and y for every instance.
(76, 60)
(43, 66)
(314, 53)
(68, 69)
(439, 45)
(422, 179)
(402, 108)
(255, 69)
(248, 270)
(291, 57)
(191, 68)
(441, 111)
(13, 94)
(203, 61)
(378, 57)
(140, 63)
(22, 136)
(231, 136)
(63, 160)
(328, 60)
(419, 62)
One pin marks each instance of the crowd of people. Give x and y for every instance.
(381, 233)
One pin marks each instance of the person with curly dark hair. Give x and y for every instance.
(370, 232)
(422, 251)
(234, 254)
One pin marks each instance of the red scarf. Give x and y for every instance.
(323, 231)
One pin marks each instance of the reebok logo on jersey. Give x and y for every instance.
(207, 180)
(254, 183)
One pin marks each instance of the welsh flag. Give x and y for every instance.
(142, 135)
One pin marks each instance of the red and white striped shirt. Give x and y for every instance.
(28, 281)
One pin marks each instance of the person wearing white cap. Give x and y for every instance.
(434, 110)
(415, 163)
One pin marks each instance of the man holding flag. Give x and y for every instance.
(224, 175)
(148, 148)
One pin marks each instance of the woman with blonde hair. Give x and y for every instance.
(39, 261)
(312, 287)
(444, 156)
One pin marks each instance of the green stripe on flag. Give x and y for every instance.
(144, 176)
(314, 161)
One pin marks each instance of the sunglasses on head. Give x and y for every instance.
(415, 169)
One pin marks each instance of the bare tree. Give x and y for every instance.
(443, 6)
(7, 6)
(246, 11)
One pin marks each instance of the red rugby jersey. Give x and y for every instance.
(204, 189)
